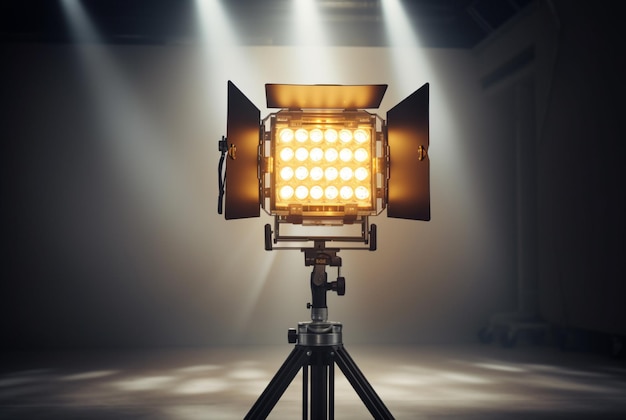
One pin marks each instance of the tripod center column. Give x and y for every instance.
(319, 309)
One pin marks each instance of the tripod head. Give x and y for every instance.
(319, 257)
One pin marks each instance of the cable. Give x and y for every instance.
(221, 175)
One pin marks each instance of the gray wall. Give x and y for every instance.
(111, 188)
(581, 189)
(571, 197)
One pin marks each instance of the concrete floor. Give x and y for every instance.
(445, 382)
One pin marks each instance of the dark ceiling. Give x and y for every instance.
(439, 23)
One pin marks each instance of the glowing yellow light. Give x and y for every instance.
(361, 193)
(301, 173)
(317, 173)
(286, 192)
(316, 154)
(331, 192)
(302, 192)
(330, 135)
(360, 155)
(360, 173)
(360, 136)
(302, 154)
(286, 173)
(316, 192)
(331, 154)
(320, 166)
(331, 173)
(345, 135)
(345, 155)
(345, 173)
(346, 192)
(302, 135)
(316, 135)
(286, 135)
(286, 154)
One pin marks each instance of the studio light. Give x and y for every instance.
(323, 159)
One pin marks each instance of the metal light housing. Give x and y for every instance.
(323, 158)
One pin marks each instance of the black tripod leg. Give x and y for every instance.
(331, 390)
(279, 383)
(363, 388)
(305, 392)
(319, 386)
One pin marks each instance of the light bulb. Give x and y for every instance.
(345, 135)
(316, 192)
(316, 154)
(286, 173)
(360, 136)
(301, 173)
(302, 135)
(316, 135)
(302, 154)
(316, 173)
(360, 173)
(286, 135)
(361, 193)
(330, 135)
(331, 173)
(345, 173)
(360, 155)
(331, 154)
(286, 192)
(302, 192)
(345, 155)
(346, 192)
(331, 192)
(286, 154)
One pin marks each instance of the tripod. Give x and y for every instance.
(319, 348)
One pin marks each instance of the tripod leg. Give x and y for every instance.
(331, 391)
(279, 383)
(305, 392)
(362, 387)
(319, 386)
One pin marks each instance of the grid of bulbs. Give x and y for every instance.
(323, 166)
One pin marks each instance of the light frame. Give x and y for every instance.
(325, 210)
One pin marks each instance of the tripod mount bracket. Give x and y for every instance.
(312, 333)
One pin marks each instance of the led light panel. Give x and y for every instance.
(322, 164)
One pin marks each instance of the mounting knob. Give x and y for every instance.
(292, 335)
(339, 286)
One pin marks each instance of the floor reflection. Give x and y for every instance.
(414, 382)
